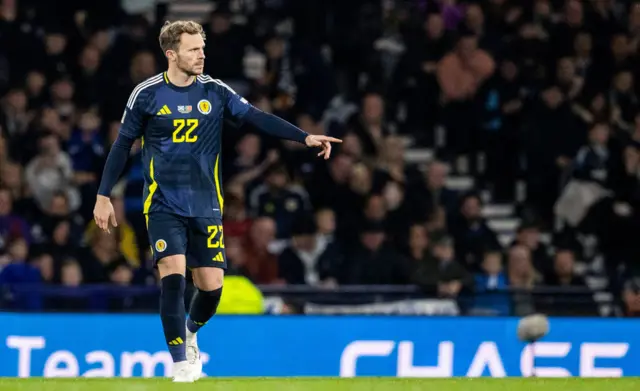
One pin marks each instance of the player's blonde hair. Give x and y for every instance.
(172, 31)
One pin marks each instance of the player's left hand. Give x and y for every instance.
(323, 142)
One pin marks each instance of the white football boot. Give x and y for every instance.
(182, 372)
(193, 355)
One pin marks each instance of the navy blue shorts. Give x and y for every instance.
(200, 239)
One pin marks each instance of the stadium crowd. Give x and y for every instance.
(544, 89)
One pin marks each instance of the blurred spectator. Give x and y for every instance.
(329, 186)
(490, 287)
(369, 125)
(14, 118)
(120, 274)
(35, 88)
(442, 273)
(11, 178)
(295, 155)
(86, 150)
(501, 117)
(237, 221)
(236, 256)
(592, 162)
(418, 245)
(310, 259)
(225, 46)
(528, 235)
(87, 74)
(565, 275)
(71, 276)
(523, 277)
(375, 262)
(564, 270)
(12, 226)
(14, 269)
(434, 192)
(352, 146)
(326, 222)
(415, 76)
(96, 259)
(546, 158)
(61, 97)
(246, 168)
(51, 171)
(279, 199)
(71, 273)
(392, 166)
(48, 267)
(56, 58)
(46, 220)
(62, 244)
(438, 221)
(259, 263)
(471, 234)
(631, 297)
(460, 74)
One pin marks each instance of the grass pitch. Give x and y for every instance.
(323, 384)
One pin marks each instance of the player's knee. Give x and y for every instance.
(173, 264)
(213, 295)
(208, 278)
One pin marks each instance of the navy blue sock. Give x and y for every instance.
(173, 315)
(203, 306)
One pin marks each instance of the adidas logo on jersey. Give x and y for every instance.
(218, 258)
(164, 110)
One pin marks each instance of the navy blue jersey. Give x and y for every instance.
(181, 129)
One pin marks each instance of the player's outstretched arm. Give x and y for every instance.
(116, 161)
(280, 128)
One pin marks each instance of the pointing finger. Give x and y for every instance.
(329, 139)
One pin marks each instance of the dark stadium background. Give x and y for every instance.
(491, 155)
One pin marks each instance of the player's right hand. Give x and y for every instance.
(323, 142)
(104, 214)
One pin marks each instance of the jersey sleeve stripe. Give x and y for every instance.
(205, 79)
(221, 83)
(143, 84)
(136, 91)
(208, 79)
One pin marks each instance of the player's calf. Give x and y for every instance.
(207, 298)
(172, 311)
(203, 306)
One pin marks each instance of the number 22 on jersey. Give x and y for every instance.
(180, 135)
(215, 236)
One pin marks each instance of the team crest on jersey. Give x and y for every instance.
(161, 245)
(204, 106)
(185, 109)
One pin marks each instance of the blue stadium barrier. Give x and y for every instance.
(93, 345)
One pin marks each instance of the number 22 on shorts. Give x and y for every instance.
(215, 240)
